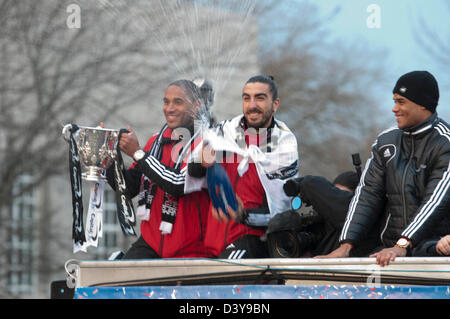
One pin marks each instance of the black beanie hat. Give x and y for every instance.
(420, 87)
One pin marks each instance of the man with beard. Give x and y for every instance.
(258, 153)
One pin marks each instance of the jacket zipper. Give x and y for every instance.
(384, 229)
(170, 164)
(226, 235)
(161, 245)
(228, 222)
(200, 220)
(403, 182)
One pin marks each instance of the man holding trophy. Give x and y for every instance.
(157, 177)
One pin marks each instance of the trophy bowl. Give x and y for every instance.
(97, 149)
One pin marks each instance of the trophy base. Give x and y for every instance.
(94, 174)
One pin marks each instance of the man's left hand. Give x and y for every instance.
(234, 215)
(388, 254)
(443, 246)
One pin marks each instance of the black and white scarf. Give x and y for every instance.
(148, 188)
(125, 210)
(82, 238)
(78, 233)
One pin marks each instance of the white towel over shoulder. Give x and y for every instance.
(273, 167)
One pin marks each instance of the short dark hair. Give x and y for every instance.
(268, 79)
(348, 179)
(189, 87)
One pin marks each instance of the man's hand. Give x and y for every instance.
(341, 252)
(387, 255)
(208, 155)
(234, 215)
(443, 246)
(129, 143)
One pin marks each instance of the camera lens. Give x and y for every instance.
(283, 245)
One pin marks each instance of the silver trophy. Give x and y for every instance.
(97, 148)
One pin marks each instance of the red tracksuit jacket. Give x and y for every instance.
(186, 238)
(250, 190)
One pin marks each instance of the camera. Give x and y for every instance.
(291, 244)
(289, 234)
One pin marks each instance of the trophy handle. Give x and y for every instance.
(66, 132)
(123, 130)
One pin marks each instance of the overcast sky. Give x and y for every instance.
(399, 20)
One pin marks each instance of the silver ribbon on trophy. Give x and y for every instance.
(92, 151)
(94, 218)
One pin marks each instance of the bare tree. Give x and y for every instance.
(327, 90)
(52, 74)
(56, 69)
(435, 43)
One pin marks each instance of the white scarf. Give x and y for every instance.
(273, 167)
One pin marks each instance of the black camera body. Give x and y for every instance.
(289, 234)
(291, 244)
(292, 234)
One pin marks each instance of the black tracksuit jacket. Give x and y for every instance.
(405, 185)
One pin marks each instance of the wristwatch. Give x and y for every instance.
(403, 243)
(138, 155)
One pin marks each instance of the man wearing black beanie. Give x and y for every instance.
(419, 87)
(416, 95)
(406, 182)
